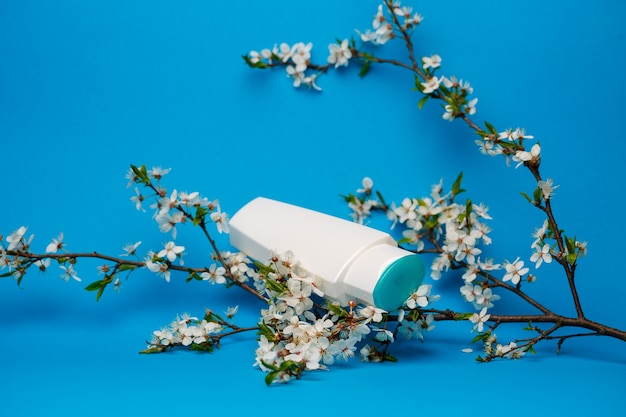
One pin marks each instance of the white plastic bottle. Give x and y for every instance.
(354, 262)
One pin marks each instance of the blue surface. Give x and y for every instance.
(87, 88)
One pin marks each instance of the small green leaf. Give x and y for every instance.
(275, 286)
(380, 197)
(571, 244)
(100, 292)
(201, 213)
(202, 347)
(491, 129)
(155, 349)
(141, 173)
(365, 68)
(571, 258)
(270, 377)
(530, 348)
(481, 337)
(193, 275)
(350, 198)
(94, 286)
(262, 268)
(456, 187)
(420, 104)
(526, 196)
(418, 85)
(537, 195)
(463, 316)
(264, 330)
(126, 267)
(252, 64)
(337, 310)
(469, 207)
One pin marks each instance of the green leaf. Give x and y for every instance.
(571, 244)
(380, 197)
(193, 275)
(100, 292)
(94, 286)
(391, 358)
(420, 104)
(463, 316)
(126, 267)
(481, 337)
(456, 187)
(275, 286)
(270, 377)
(201, 213)
(265, 330)
(418, 85)
(337, 310)
(251, 64)
(262, 268)
(365, 68)
(490, 128)
(537, 195)
(202, 347)
(156, 349)
(141, 173)
(350, 198)
(530, 348)
(469, 207)
(526, 196)
(571, 258)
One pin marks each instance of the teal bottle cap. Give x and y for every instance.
(398, 281)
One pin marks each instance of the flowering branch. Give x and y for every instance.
(298, 329)
(454, 239)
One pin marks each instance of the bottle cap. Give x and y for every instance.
(398, 282)
(384, 275)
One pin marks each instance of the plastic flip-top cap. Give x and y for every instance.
(398, 281)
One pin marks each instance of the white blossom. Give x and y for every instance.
(339, 54)
(431, 85)
(479, 319)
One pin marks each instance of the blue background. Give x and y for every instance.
(87, 88)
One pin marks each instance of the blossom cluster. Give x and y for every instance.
(14, 256)
(456, 233)
(300, 334)
(193, 333)
(385, 21)
(173, 208)
(185, 330)
(454, 92)
(296, 58)
(297, 61)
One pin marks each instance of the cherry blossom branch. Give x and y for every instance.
(400, 22)
(29, 259)
(299, 330)
(192, 333)
(559, 321)
(532, 164)
(547, 317)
